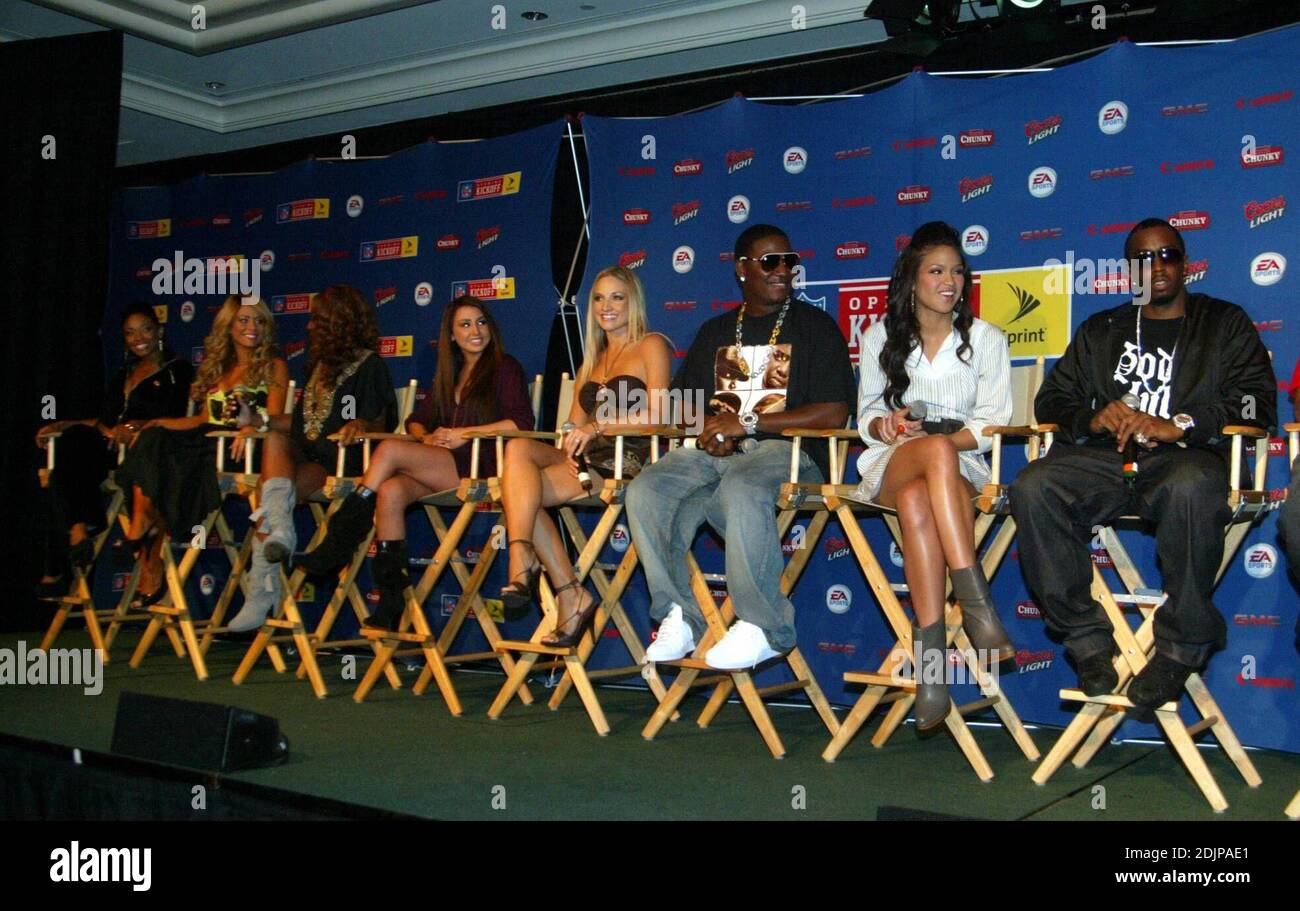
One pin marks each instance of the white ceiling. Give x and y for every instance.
(296, 68)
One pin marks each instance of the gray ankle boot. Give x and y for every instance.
(930, 661)
(979, 615)
(263, 591)
(278, 501)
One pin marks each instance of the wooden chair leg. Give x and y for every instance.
(1070, 738)
(1222, 731)
(582, 683)
(1293, 808)
(852, 722)
(758, 713)
(969, 748)
(516, 679)
(1192, 759)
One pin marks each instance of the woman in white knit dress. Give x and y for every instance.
(930, 348)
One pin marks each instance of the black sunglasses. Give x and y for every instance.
(1166, 254)
(769, 260)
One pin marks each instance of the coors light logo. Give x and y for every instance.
(1258, 213)
(910, 196)
(633, 260)
(685, 211)
(486, 236)
(971, 187)
(1190, 220)
(1038, 130)
(737, 160)
(1195, 271)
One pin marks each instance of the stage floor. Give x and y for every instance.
(408, 755)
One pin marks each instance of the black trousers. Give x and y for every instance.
(83, 462)
(1057, 501)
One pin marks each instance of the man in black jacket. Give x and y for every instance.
(1189, 365)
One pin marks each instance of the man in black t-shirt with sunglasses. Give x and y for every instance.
(1168, 374)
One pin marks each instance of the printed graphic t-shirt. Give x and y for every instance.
(809, 364)
(1149, 374)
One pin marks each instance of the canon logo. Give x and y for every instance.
(688, 166)
(924, 142)
(851, 250)
(646, 171)
(913, 195)
(425, 195)
(1181, 167)
(1119, 227)
(1272, 98)
(852, 202)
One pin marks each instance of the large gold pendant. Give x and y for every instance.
(313, 435)
(742, 363)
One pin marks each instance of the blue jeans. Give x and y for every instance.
(670, 499)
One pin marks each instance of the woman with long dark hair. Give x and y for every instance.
(930, 348)
(170, 470)
(623, 363)
(348, 391)
(153, 383)
(476, 387)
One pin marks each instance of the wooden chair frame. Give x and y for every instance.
(1100, 716)
(794, 498)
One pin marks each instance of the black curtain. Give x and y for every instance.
(59, 99)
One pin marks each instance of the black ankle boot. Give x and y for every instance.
(347, 529)
(392, 580)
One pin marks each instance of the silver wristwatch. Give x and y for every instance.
(1184, 422)
(749, 420)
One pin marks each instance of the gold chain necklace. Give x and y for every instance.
(776, 333)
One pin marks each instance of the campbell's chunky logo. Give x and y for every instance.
(1124, 170)
(1113, 117)
(681, 211)
(1261, 157)
(1190, 220)
(1042, 182)
(489, 187)
(1271, 98)
(221, 221)
(802, 205)
(724, 305)
(1038, 130)
(485, 236)
(853, 249)
(1178, 110)
(431, 194)
(642, 171)
(971, 187)
(291, 303)
(1195, 271)
(679, 305)
(637, 216)
(687, 167)
(633, 260)
(975, 139)
(1267, 269)
(795, 159)
(859, 152)
(385, 295)
(447, 242)
(737, 160)
(143, 230)
(1028, 609)
(302, 210)
(1259, 213)
(1041, 233)
(921, 142)
(1182, 167)
(852, 202)
(912, 195)
(252, 217)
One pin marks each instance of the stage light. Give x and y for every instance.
(1028, 9)
(902, 16)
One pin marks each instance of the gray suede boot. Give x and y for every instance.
(278, 501)
(979, 615)
(263, 591)
(930, 662)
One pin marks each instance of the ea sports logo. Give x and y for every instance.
(1042, 182)
(975, 240)
(207, 584)
(895, 555)
(267, 259)
(795, 159)
(738, 209)
(838, 599)
(423, 294)
(354, 206)
(1113, 117)
(1267, 268)
(619, 538)
(1260, 560)
(187, 311)
(683, 259)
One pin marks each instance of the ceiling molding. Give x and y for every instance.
(593, 42)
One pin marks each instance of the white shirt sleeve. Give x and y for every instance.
(992, 384)
(871, 383)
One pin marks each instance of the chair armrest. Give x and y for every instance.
(551, 435)
(1047, 428)
(1234, 430)
(1024, 430)
(643, 431)
(1293, 427)
(839, 433)
(378, 435)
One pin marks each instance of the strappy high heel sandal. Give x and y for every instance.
(125, 551)
(569, 633)
(518, 597)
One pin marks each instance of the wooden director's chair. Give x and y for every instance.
(286, 623)
(1293, 449)
(794, 498)
(609, 500)
(172, 613)
(471, 496)
(887, 684)
(1099, 716)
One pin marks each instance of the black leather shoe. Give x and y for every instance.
(1097, 675)
(347, 529)
(82, 554)
(1159, 682)
(392, 580)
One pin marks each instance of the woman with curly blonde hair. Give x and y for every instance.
(348, 391)
(170, 469)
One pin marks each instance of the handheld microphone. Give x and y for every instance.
(1131, 449)
(915, 412)
(584, 470)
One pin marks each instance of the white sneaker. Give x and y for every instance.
(745, 645)
(675, 639)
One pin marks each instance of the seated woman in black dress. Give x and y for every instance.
(624, 366)
(348, 391)
(171, 468)
(153, 383)
(476, 386)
